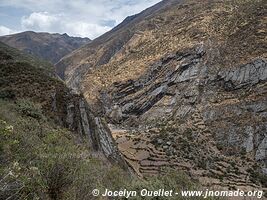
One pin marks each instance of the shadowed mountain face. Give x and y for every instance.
(184, 84)
(23, 76)
(50, 47)
(42, 119)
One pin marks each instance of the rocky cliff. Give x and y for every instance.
(80, 119)
(183, 84)
(179, 113)
(24, 77)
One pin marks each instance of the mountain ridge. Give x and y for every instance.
(47, 46)
(53, 146)
(107, 39)
(181, 85)
(179, 77)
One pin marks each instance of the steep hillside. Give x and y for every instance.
(177, 114)
(51, 143)
(8, 54)
(127, 50)
(50, 47)
(23, 77)
(184, 85)
(48, 135)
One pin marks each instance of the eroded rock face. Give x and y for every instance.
(204, 117)
(106, 142)
(248, 74)
(202, 108)
(80, 119)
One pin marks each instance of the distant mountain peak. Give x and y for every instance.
(48, 46)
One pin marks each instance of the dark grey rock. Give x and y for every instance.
(249, 74)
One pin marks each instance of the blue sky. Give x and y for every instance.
(84, 18)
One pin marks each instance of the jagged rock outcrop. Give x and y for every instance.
(80, 119)
(248, 74)
(189, 78)
(202, 117)
(24, 77)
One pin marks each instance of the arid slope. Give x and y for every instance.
(184, 85)
(233, 31)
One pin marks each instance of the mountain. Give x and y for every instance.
(183, 84)
(50, 47)
(52, 145)
(48, 135)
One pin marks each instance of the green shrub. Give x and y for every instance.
(30, 109)
(43, 161)
(7, 94)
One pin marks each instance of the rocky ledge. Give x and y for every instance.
(189, 114)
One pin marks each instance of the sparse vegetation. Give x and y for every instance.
(257, 176)
(42, 160)
(194, 119)
(30, 109)
(11, 54)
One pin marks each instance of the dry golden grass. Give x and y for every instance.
(232, 31)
